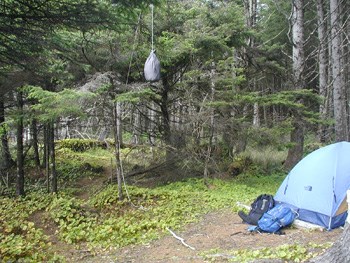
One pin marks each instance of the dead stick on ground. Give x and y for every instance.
(181, 239)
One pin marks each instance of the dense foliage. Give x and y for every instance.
(247, 88)
(226, 79)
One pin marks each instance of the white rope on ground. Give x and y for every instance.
(181, 239)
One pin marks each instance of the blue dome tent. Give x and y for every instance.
(316, 187)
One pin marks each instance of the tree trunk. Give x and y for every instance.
(211, 126)
(295, 153)
(136, 124)
(250, 7)
(339, 92)
(34, 131)
(150, 124)
(323, 68)
(8, 161)
(54, 188)
(339, 252)
(165, 128)
(20, 156)
(346, 57)
(117, 142)
(46, 157)
(256, 116)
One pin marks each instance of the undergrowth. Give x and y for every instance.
(103, 221)
(73, 165)
(287, 253)
(20, 240)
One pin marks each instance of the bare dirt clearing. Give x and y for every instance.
(215, 233)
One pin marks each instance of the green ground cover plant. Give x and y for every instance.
(288, 253)
(20, 239)
(101, 221)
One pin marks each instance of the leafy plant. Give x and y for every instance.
(288, 253)
(104, 221)
(294, 253)
(81, 145)
(170, 206)
(19, 238)
(72, 165)
(73, 221)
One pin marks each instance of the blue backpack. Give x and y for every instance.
(276, 218)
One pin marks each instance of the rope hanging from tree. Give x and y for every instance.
(152, 65)
(133, 48)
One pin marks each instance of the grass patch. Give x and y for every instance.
(268, 159)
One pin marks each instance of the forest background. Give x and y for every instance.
(235, 74)
(245, 85)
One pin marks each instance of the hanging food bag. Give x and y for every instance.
(152, 68)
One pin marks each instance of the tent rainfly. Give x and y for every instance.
(316, 187)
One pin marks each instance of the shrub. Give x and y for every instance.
(81, 145)
(267, 159)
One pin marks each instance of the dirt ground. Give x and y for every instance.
(217, 231)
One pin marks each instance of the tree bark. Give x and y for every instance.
(6, 155)
(136, 127)
(339, 252)
(165, 126)
(323, 68)
(34, 131)
(54, 187)
(46, 157)
(250, 7)
(117, 142)
(339, 92)
(295, 153)
(211, 127)
(346, 57)
(20, 156)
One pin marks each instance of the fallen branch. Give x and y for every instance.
(181, 239)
